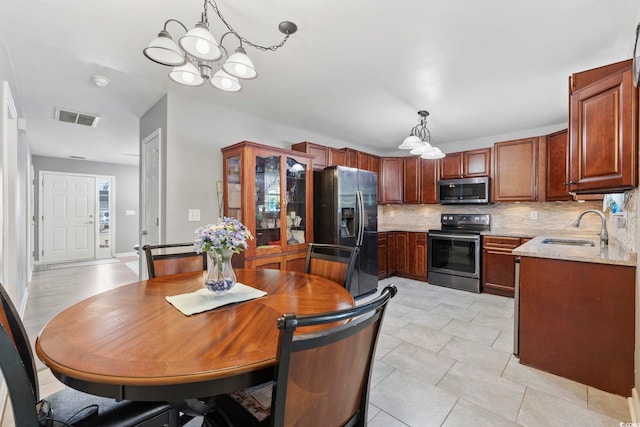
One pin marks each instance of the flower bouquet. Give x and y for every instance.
(220, 241)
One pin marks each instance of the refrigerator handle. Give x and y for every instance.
(360, 207)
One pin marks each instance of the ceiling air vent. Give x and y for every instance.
(77, 118)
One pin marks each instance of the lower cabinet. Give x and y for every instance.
(404, 254)
(498, 264)
(577, 321)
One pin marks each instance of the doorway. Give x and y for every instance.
(76, 221)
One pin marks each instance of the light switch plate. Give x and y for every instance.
(533, 214)
(130, 212)
(194, 214)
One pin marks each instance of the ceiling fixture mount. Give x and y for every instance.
(419, 141)
(199, 53)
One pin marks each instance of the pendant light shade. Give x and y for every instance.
(419, 140)
(200, 44)
(433, 153)
(164, 51)
(240, 65)
(187, 75)
(223, 81)
(410, 143)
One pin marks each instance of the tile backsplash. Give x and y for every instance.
(530, 217)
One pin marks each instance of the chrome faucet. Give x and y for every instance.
(604, 236)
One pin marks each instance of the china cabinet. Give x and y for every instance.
(270, 190)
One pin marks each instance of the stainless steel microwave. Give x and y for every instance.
(464, 191)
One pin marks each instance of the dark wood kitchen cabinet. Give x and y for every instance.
(498, 264)
(557, 186)
(603, 140)
(320, 153)
(418, 255)
(383, 270)
(577, 321)
(466, 164)
(404, 254)
(412, 180)
(516, 168)
(391, 180)
(392, 253)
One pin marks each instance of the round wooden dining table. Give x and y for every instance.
(130, 343)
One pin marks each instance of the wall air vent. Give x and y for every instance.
(77, 118)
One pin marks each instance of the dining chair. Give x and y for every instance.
(67, 407)
(173, 258)
(334, 262)
(322, 374)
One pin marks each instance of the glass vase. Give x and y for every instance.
(220, 275)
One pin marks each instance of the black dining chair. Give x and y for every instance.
(322, 375)
(334, 262)
(67, 407)
(173, 258)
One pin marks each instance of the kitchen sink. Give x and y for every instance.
(568, 242)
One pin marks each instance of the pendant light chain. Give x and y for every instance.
(272, 48)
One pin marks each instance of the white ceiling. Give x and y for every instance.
(356, 71)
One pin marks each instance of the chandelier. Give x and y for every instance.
(419, 141)
(198, 53)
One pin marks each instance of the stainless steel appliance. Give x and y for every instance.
(454, 251)
(464, 191)
(346, 213)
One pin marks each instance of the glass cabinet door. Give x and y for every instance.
(234, 193)
(296, 212)
(267, 199)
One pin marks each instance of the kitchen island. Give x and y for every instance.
(576, 312)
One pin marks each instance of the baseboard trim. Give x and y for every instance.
(634, 406)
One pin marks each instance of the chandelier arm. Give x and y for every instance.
(176, 21)
(272, 48)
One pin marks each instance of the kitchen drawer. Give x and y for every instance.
(499, 242)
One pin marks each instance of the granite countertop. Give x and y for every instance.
(613, 253)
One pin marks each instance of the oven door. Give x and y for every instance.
(454, 260)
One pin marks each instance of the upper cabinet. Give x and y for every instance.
(270, 191)
(321, 154)
(516, 170)
(390, 180)
(420, 180)
(603, 120)
(557, 188)
(466, 164)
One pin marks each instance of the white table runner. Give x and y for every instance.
(203, 299)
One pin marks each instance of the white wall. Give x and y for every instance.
(195, 134)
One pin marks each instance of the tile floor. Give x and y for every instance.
(443, 358)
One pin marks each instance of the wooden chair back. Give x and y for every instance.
(323, 377)
(173, 258)
(334, 262)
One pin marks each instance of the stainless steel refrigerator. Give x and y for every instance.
(346, 213)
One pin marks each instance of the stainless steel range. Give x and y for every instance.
(454, 251)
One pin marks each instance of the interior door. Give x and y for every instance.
(151, 195)
(68, 218)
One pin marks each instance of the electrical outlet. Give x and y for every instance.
(392, 214)
(533, 214)
(194, 214)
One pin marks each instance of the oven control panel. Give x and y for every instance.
(476, 221)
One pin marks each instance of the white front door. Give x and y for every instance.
(68, 217)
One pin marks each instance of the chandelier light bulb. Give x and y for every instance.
(187, 75)
(202, 47)
(225, 82)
